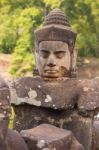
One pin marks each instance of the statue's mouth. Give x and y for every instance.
(51, 72)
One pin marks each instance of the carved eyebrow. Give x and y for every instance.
(62, 51)
(44, 50)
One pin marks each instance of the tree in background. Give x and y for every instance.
(19, 18)
(84, 18)
(22, 58)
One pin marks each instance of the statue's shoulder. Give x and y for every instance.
(88, 94)
(25, 90)
(22, 85)
(26, 81)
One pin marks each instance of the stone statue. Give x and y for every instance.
(55, 42)
(8, 138)
(55, 97)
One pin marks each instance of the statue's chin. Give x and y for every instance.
(51, 77)
(51, 74)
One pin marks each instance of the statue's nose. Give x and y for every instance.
(51, 61)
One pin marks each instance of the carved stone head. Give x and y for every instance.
(55, 53)
(4, 110)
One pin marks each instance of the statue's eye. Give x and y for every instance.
(44, 53)
(60, 54)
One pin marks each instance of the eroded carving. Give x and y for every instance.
(9, 140)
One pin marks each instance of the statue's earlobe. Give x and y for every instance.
(74, 64)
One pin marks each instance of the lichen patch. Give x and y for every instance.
(32, 93)
(48, 98)
(39, 86)
(32, 98)
(85, 89)
(41, 144)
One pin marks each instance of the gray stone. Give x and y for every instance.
(9, 140)
(48, 137)
(69, 109)
(89, 95)
(14, 141)
(96, 135)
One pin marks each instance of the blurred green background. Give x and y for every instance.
(19, 19)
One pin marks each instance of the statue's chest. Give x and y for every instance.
(48, 95)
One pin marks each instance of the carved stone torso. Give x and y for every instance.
(65, 104)
(55, 95)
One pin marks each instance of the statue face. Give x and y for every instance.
(53, 59)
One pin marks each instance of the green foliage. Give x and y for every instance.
(22, 59)
(52, 4)
(83, 16)
(11, 120)
(19, 19)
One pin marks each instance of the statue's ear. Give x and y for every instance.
(74, 64)
(36, 46)
(35, 71)
(74, 59)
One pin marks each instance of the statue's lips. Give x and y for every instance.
(51, 71)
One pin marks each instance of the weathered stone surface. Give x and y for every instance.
(71, 92)
(82, 129)
(4, 99)
(31, 116)
(9, 140)
(14, 141)
(57, 109)
(4, 110)
(96, 135)
(48, 137)
(89, 95)
(34, 91)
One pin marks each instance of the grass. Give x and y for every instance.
(11, 120)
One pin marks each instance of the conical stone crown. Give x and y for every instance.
(56, 17)
(56, 28)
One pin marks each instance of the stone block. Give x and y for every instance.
(48, 137)
(14, 141)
